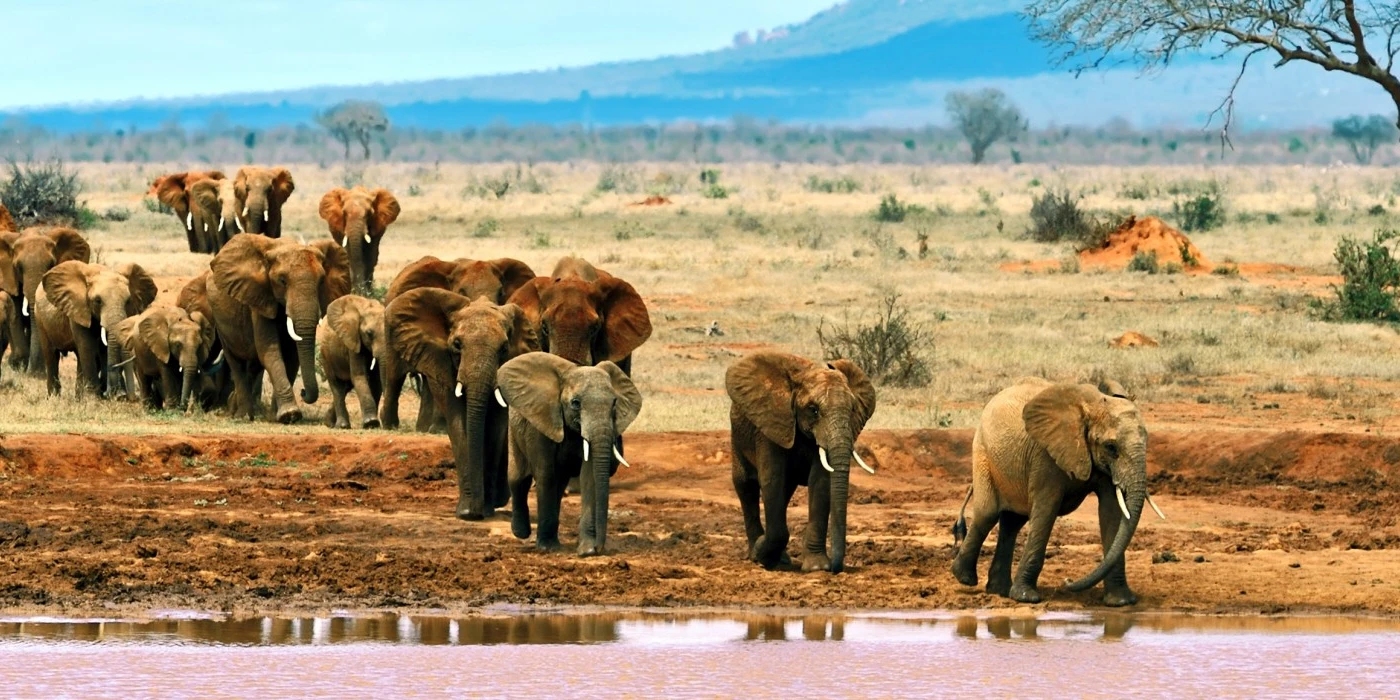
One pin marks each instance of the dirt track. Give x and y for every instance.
(1259, 523)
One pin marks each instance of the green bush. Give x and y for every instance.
(45, 193)
(1201, 211)
(891, 350)
(486, 227)
(1144, 261)
(1370, 280)
(891, 210)
(616, 178)
(841, 185)
(116, 214)
(715, 191)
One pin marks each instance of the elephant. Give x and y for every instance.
(169, 349)
(493, 280)
(351, 339)
(7, 314)
(585, 315)
(79, 309)
(189, 195)
(267, 297)
(458, 344)
(260, 194)
(794, 422)
(357, 219)
(215, 379)
(563, 417)
(1039, 450)
(25, 257)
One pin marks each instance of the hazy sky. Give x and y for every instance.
(74, 51)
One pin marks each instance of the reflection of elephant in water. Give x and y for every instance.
(260, 194)
(493, 280)
(169, 349)
(194, 197)
(358, 219)
(79, 310)
(216, 381)
(1040, 449)
(351, 341)
(267, 297)
(564, 422)
(794, 423)
(24, 259)
(458, 345)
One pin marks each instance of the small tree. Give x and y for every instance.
(354, 121)
(984, 117)
(1364, 136)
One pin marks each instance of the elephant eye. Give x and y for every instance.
(282, 279)
(1111, 448)
(575, 404)
(457, 344)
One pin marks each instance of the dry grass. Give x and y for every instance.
(771, 260)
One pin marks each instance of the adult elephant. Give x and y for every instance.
(458, 345)
(267, 297)
(168, 348)
(357, 219)
(79, 309)
(585, 315)
(1039, 450)
(34, 252)
(215, 379)
(493, 280)
(188, 195)
(794, 422)
(260, 194)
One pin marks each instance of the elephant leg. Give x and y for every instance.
(1116, 592)
(245, 395)
(274, 359)
(50, 365)
(547, 498)
(341, 415)
(427, 410)
(985, 513)
(999, 576)
(1042, 520)
(170, 382)
(520, 479)
(747, 489)
(369, 412)
(394, 376)
(772, 475)
(814, 556)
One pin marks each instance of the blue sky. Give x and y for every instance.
(78, 51)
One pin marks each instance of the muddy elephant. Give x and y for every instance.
(357, 219)
(168, 348)
(260, 194)
(352, 341)
(194, 197)
(794, 422)
(25, 257)
(267, 297)
(493, 280)
(78, 310)
(564, 423)
(1039, 450)
(585, 315)
(458, 345)
(215, 380)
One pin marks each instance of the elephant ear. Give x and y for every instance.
(532, 385)
(1111, 387)
(240, 270)
(154, 331)
(141, 285)
(66, 285)
(332, 209)
(527, 297)
(8, 282)
(386, 211)
(513, 274)
(170, 190)
(629, 400)
(125, 332)
(761, 386)
(520, 332)
(861, 388)
(205, 194)
(336, 283)
(240, 185)
(68, 244)
(192, 295)
(206, 332)
(1055, 420)
(343, 316)
(282, 185)
(626, 323)
(418, 324)
(427, 271)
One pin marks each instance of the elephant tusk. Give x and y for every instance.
(458, 392)
(291, 330)
(206, 227)
(620, 460)
(125, 362)
(500, 399)
(239, 222)
(218, 359)
(1123, 503)
(585, 449)
(368, 239)
(821, 452)
(189, 221)
(24, 307)
(372, 360)
(221, 222)
(245, 211)
(264, 215)
(301, 239)
(102, 331)
(1155, 509)
(861, 462)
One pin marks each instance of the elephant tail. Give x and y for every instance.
(960, 527)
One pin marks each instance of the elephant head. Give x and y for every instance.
(357, 219)
(823, 406)
(560, 398)
(584, 321)
(458, 345)
(1084, 431)
(260, 193)
(358, 323)
(184, 193)
(279, 280)
(214, 212)
(97, 298)
(35, 252)
(176, 337)
(495, 280)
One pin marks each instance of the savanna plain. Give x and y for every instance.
(1274, 448)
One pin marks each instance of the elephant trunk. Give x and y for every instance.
(256, 213)
(302, 317)
(31, 292)
(190, 378)
(356, 230)
(1133, 482)
(120, 377)
(601, 463)
(840, 459)
(471, 486)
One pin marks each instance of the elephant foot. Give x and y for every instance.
(1119, 597)
(1023, 593)
(816, 562)
(520, 526)
(548, 545)
(289, 415)
(1001, 588)
(965, 572)
(370, 424)
(470, 515)
(588, 548)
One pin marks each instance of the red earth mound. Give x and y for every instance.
(655, 200)
(1146, 235)
(1132, 339)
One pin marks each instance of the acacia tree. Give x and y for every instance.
(1364, 136)
(1358, 38)
(984, 117)
(354, 120)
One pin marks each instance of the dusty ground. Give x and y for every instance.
(1260, 522)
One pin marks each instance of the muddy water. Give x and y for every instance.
(594, 654)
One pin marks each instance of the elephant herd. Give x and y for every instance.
(529, 376)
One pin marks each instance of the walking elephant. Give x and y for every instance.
(168, 349)
(260, 194)
(585, 315)
(1039, 450)
(357, 219)
(352, 342)
(215, 379)
(267, 297)
(794, 422)
(78, 311)
(32, 253)
(458, 345)
(493, 280)
(188, 194)
(564, 423)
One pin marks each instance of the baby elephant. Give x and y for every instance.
(1040, 449)
(169, 350)
(563, 418)
(794, 423)
(351, 341)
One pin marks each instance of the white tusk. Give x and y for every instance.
(1155, 509)
(1122, 503)
(206, 227)
(264, 215)
(821, 452)
(245, 210)
(291, 330)
(620, 460)
(372, 360)
(458, 392)
(368, 239)
(102, 331)
(239, 223)
(585, 449)
(500, 399)
(218, 359)
(24, 307)
(861, 462)
(221, 222)
(189, 221)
